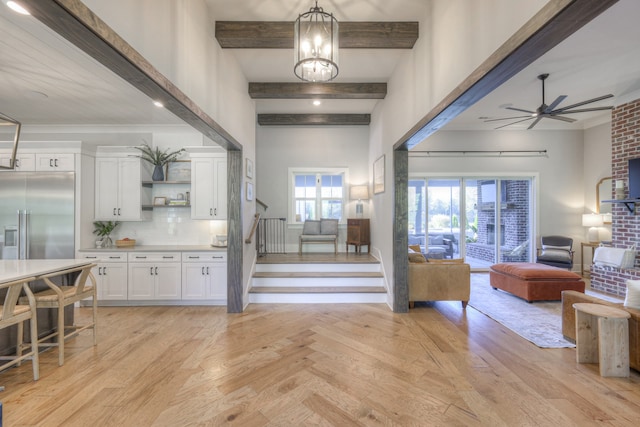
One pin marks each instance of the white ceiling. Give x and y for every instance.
(604, 57)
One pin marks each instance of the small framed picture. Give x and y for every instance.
(178, 171)
(249, 191)
(159, 201)
(378, 175)
(249, 168)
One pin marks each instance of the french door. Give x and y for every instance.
(485, 220)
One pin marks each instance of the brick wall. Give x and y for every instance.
(625, 227)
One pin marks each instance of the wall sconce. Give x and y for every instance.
(359, 193)
(592, 221)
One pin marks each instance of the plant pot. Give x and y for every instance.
(158, 173)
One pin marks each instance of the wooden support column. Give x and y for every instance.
(234, 232)
(400, 227)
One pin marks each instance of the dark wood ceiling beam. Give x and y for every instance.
(317, 90)
(314, 119)
(352, 35)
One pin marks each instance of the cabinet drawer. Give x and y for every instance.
(105, 256)
(154, 256)
(204, 257)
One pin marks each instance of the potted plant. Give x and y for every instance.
(158, 158)
(104, 229)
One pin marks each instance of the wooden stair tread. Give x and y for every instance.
(323, 274)
(316, 289)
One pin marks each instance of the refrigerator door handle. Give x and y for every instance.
(23, 234)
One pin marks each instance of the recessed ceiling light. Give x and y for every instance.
(317, 102)
(158, 104)
(16, 7)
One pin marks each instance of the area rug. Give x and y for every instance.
(538, 322)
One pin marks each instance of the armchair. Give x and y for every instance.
(438, 280)
(556, 251)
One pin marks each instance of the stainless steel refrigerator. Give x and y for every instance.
(37, 215)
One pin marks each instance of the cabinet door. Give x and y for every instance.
(220, 188)
(113, 281)
(167, 281)
(106, 191)
(129, 189)
(194, 281)
(24, 162)
(141, 281)
(218, 280)
(55, 162)
(202, 182)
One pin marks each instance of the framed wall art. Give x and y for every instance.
(249, 191)
(249, 168)
(378, 175)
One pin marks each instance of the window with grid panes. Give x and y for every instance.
(318, 195)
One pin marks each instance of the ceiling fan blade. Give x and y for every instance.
(520, 109)
(513, 123)
(535, 122)
(583, 110)
(507, 118)
(564, 119)
(554, 104)
(568, 107)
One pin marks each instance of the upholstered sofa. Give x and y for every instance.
(324, 231)
(569, 321)
(438, 280)
(434, 245)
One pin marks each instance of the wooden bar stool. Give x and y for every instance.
(12, 313)
(61, 296)
(602, 336)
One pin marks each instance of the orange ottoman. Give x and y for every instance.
(534, 282)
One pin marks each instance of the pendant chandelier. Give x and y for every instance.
(316, 46)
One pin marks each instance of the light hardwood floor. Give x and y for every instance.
(294, 365)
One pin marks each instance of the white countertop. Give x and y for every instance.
(18, 269)
(159, 248)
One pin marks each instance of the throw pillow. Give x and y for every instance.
(436, 240)
(416, 258)
(329, 226)
(415, 248)
(632, 299)
(311, 227)
(555, 253)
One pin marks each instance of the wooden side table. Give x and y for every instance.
(593, 247)
(358, 233)
(602, 336)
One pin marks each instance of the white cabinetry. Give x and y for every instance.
(119, 192)
(110, 274)
(24, 162)
(154, 276)
(55, 162)
(204, 276)
(209, 187)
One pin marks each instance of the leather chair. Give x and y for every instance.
(12, 313)
(556, 251)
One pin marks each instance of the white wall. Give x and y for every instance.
(456, 36)
(283, 147)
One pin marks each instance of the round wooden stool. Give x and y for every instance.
(602, 336)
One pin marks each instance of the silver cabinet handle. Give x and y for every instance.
(91, 257)
(114, 211)
(194, 257)
(217, 257)
(211, 212)
(55, 162)
(104, 271)
(215, 211)
(151, 271)
(156, 271)
(203, 271)
(99, 271)
(118, 211)
(167, 257)
(50, 163)
(207, 271)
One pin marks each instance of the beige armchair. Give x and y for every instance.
(439, 280)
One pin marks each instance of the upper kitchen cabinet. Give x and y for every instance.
(119, 191)
(55, 162)
(24, 162)
(209, 187)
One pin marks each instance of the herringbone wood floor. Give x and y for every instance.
(294, 365)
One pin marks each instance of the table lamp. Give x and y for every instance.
(359, 193)
(593, 221)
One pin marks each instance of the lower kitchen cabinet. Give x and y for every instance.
(204, 276)
(154, 276)
(110, 274)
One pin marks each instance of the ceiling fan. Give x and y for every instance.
(550, 111)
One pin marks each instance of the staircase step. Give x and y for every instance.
(322, 274)
(312, 268)
(317, 289)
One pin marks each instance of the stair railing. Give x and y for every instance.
(256, 219)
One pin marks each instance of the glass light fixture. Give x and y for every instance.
(8, 121)
(315, 47)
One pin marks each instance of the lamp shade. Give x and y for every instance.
(592, 220)
(359, 192)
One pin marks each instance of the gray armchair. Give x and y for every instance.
(556, 251)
